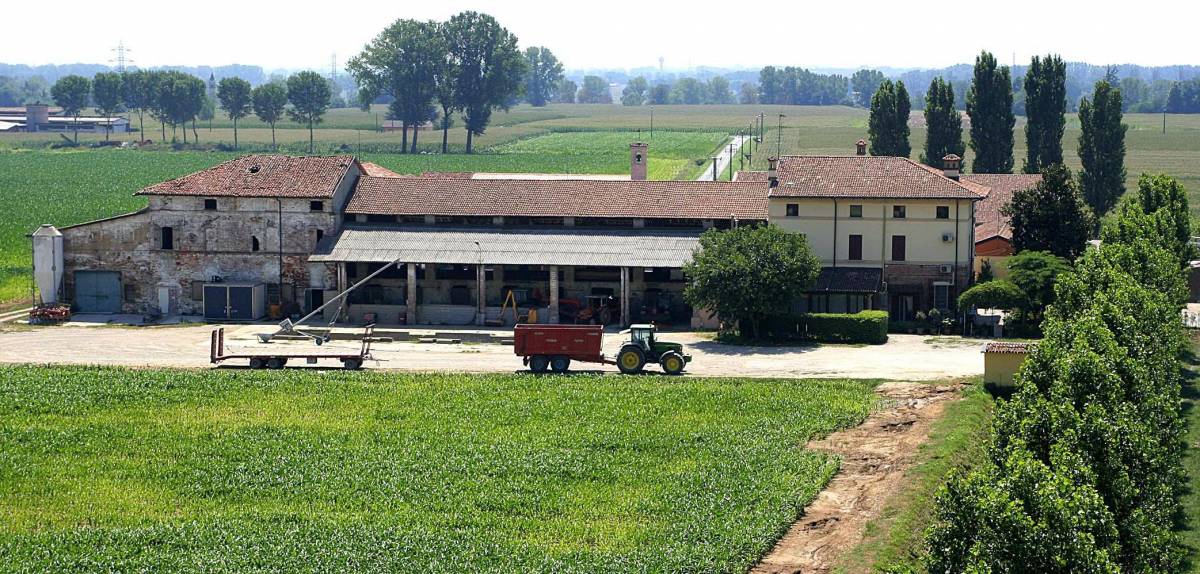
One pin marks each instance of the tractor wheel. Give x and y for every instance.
(672, 363)
(631, 359)
(352, 364)
(257, 363)
(275, 363)
(538, 363)
(560, 364)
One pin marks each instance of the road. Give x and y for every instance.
(724, 159)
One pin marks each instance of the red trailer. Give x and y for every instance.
(555, 346)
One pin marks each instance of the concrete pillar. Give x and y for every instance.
(481, 298)
(554, 294)
(410, 305)
(624, 297)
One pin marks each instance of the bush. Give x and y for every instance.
(995, 294)
(869, 327)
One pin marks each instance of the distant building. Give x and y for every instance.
(993, 232)
(43, 118)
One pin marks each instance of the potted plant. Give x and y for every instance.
(935, 321)
(922, 322)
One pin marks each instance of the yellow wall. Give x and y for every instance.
(920, 226)
(999, 265)
(999, 368)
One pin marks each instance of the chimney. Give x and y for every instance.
(951, 164)
(36, 116)
(773, 171)
(637, 161)
(861, 147)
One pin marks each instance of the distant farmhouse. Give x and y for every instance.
(274, 233)
(43, 118)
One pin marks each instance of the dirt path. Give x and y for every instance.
(875, 455)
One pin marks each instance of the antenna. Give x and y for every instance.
(122, 58)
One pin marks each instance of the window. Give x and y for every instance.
(855, 211)
(943, 212)
(210, 204)
(898, 212)
(793, 210)
(168, 238)
(941, 296)
(380, 218)
(254, 246)
(898, 248)
(320, 233)
(316, 206)
(856, 248)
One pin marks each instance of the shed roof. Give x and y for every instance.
(558, 246)
(861, 176)
(998, 190)
(848, 280)
(1008, 347)
(261, 176)
(557, 198)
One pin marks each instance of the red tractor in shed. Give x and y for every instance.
(553, 347)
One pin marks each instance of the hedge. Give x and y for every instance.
(863, 327)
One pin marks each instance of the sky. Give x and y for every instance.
(827, 34)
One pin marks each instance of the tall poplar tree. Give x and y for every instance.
(106, 93)
(237, 102)
(1045, 109)
(489, 69)
(887, 126)
(1102, 148)
(943, 124)
(990, 109)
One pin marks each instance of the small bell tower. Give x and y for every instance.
(637, 161)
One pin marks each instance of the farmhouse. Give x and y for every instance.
(277, 235)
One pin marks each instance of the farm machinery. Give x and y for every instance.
(553, 347)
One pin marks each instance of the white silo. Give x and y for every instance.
(48, 262)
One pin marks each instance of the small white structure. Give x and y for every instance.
(48, 263)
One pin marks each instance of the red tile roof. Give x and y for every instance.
(554, 198)
(1009, 347)
(997, 189)
(376, 170)
(261, 176)
(858, 176)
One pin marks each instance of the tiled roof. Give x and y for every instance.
(750, 176)
(848, 280)
(1008, 347)
(376, 170)
(864, 176)
(997, 189)
(261, 176)
(556, 198)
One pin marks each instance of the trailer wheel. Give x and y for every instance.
(257, 363)
(631, 359)
(672, 363)
(538, 363)
(275, 363)
(560, 364)
(352, 364)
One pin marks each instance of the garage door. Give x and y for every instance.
(98, 291)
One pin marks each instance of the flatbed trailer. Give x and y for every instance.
(350, 360)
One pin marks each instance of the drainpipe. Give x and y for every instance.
(280, 252)
(835, 235)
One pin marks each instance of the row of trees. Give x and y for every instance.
(797, 86)
(1184, 97)
(1083, 470)
(177, 99)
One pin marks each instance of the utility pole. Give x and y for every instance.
(715, 160)
(651, 121)
(779, 137)
(742, 155)
(731, 161)
(122, 56)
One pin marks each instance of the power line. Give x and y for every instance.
(122, 58)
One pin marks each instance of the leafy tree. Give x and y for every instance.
(139, 92)
(635, 92)
(943, 124)
(594, 91)
(1102, 148)
(1045, 108)
(1034, 273)
(236, 100)
(402, 62)
(270, 101)
(989, 107)
(308, 93)
(489, 68)
(1158, 213)
(864, 83)
(689, 91)
(445, 81)
(747, 93)
(1050, 216)
(72, 93)
(180, 100)
(543, 72)
(718, 91)
(566, 92)
(747, 274)
(106, 93)
(995, 294)
(770, 85)
(797, 86)
(660, 94)
(888, 123)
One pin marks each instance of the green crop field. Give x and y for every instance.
(243, 471)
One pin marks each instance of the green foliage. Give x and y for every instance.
(797, 86)
(72, 93)
(718, 91)
(180, 99)
(1051, 216)
(943, 124)
(995, 294)
(269, 102)
(106, 94)
(1045, 108)
(543, 72)
(488, 67)
(308, 92)
(403, 62)
(566, 92)
(989, 106)
(635, 92)
(870, 327)
(236, 100)
(1034, 272)
(301, 471)
(749, 273)
(986, 273)
(864, 83)
(1102, 148)
(594, 91)
(689, 91)
(1159, 214)
(888, 124)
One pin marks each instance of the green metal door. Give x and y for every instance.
(98, 291)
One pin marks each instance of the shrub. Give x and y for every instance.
(869, 327)
(995, 294)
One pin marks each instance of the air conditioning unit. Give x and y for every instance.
(946, 268)
(947, 237)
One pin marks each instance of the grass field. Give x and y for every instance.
(240, 471)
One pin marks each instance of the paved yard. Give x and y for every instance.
(904, 357)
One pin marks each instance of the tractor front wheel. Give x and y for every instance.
(672, 363)
(538, 363)
(631, 359)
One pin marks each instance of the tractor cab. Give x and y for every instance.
(641, 335)
(643, 348)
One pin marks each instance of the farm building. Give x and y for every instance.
(280, 235)
(993, 234)
(1002, 360)
(43, 118)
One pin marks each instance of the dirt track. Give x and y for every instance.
(904, 357)
(875, 455)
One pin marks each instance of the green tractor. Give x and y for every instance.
(642, 348)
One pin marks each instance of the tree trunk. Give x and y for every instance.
(235, 142)
(184, 132)
(273, 146)
(141, 126)
(310, 137)
(404, 137)
(76, 125)
(414, 143)
(195, 135)
(164, 130)
(470, 149)
(445, 135)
